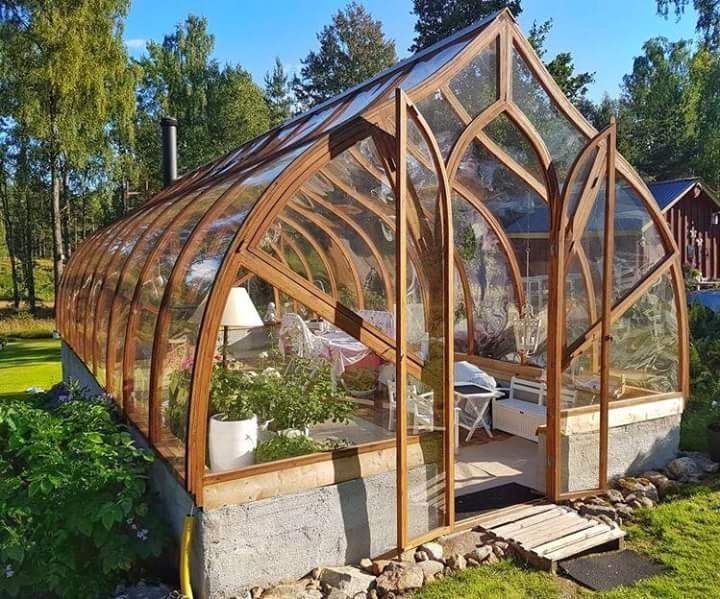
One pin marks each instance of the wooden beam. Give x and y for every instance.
(402, 503)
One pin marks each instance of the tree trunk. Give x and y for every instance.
(28, 261)
(58, 250)
(10, 240)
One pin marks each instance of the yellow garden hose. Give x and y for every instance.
(185, 548)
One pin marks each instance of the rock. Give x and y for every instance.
(456, 562)
(461, 543)
(372, 594)
(492, 559)
(623, 510)
(400, 580)
(421, 556)
(315, 573)
(408, 555)
(703, 461)
(338, 594)
(640, 487)
(366, 564)
(684, 469)
(614, 496)
(499, 551)
(479, 554)
(596, 501)
(433, 550)
(646, 502)
(431, 569)
(502, 544)
(662, 483)
(292, 590)
(606, 520)
(256, 592)
(379, 566)
(348, 579)
(471, 563)
(634, 504)
(599, 511)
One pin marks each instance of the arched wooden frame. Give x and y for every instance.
(94, 277)
(359, 231)
(116, 303)
(103, 302)
(339, 246)
(240, 254)
(83, 273)
(302, 231)
(162, 322)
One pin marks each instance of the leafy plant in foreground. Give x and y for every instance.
(74, 517)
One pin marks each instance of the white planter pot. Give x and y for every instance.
(232, 443)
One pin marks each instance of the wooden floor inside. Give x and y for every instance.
(545, 533)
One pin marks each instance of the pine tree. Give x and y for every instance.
(708, 22)
(353, 48)
(278, 94)
(437, 19)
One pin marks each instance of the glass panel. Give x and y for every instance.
(645, 346)
(352, 204)
(476, 84)
(425, 335)
(563, 140)
(186, 305)
(136, 406)
(110, 285)
(592, 243)
(582, 171)
(445, 124)
(577, 302)
(505, 134)
(638, 244)
(362, 100)
(302, 386)
(485, 263)
(152, 288)
(525, 220)
(99, 272)
(428, 66)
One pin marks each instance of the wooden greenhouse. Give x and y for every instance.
(440, 282)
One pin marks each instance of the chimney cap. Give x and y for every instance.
(168, 121)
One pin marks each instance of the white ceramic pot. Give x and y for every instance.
(232, 443)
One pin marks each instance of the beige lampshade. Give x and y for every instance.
(239, 311)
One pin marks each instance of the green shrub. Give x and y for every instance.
(283, 446)
(74, 518)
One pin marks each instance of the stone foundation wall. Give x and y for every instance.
(633, 448)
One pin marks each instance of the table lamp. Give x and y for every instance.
(239, 313)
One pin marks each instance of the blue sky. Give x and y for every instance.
(603, 35)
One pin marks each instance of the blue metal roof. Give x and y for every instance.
(665, 192)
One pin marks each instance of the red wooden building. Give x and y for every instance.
(693, 212)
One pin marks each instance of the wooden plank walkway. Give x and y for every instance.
(544, 533)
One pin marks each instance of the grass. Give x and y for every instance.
(683, 535)
(28, 363)
(24, 325)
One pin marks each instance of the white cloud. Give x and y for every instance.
(136, 43)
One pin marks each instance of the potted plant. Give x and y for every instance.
(360, 382)
(233, 432)
(305, 395)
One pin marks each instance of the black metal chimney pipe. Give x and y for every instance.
(169, 149)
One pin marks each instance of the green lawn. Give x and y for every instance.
(683, 534)
(26, 363)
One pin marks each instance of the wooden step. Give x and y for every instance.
(544, 533)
